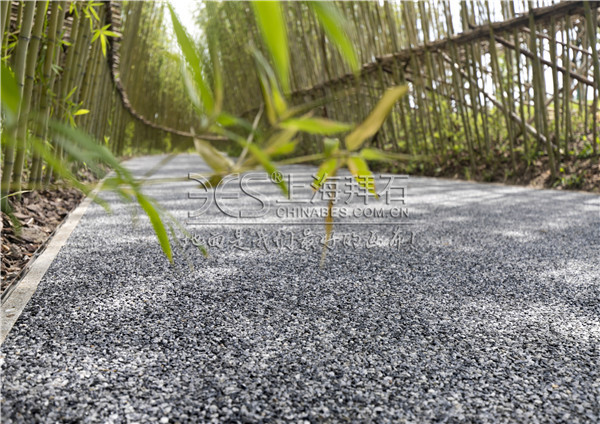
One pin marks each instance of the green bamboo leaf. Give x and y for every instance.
(81, 112)
(193, 60)
(257, 153)
(58, 164)
(103, 44)
(266, 92)
(217, 72)
(188, 82)
(275, 104)
(369, 153)
(219, 163)
(326, 169)
(157, 224)
(360, 169)
(263, 65)
(16, 193)
(373, 154)
(84, 148)
(305, 107)
(10, 90)
(71, 93)
(284, 149)
(93, 12)
(269, 18)
(112, 34)
(331, 146)
(266, 163)
(279, 139)
(279, 102)
(316, 125)
(373, 122)
(227, 120)
(335, 26)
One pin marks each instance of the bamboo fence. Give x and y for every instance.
(499, 84)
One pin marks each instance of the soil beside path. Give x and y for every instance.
(38, 215)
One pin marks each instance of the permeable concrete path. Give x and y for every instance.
(474, 303)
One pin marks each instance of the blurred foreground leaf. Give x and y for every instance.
(192, 59)
(336, 28)
(373, 122)
(359, 168)
(219, 163)
(269, 18)
(316, 125)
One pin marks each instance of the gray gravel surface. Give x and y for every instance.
(492, 314)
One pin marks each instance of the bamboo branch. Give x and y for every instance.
(530, 55)
(544, 36)
(495, 102)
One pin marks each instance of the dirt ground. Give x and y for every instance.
(572, 174)
(37, 215)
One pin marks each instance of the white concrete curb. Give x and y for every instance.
(14, 305)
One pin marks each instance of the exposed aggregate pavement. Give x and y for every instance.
(491, 315)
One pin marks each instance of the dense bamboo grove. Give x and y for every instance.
(522, 88)
(505, 94)
(58, 50)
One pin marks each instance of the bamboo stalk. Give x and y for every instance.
(19, 70)
(539, 91)
(567, 85)
(57, 14)
(64, 83)
(32, 55)
(591, 19)
(521, 98)
(4, 18)
(556, 89)
(500, 93)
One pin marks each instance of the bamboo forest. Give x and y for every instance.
(442, 265)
